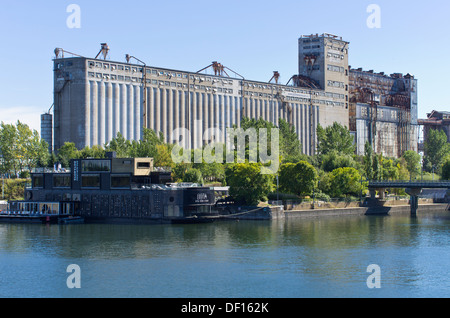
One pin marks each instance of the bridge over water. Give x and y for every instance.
(413, 188)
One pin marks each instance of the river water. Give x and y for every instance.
(297, 258)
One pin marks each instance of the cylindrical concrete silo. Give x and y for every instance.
(47, 130)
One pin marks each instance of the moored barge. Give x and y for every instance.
(111, 190)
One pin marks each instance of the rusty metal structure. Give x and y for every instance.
(396, 95)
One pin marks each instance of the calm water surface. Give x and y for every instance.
(326, 257)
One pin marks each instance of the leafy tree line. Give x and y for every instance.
(21, 149)
(334, 172)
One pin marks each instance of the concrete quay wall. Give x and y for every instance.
(277, 212)
(380, 210)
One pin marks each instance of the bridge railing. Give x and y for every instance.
(408, 184)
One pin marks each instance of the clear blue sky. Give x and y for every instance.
(254, 38)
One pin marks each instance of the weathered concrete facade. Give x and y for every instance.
(436, 120)
(95, 99)
(384, 112)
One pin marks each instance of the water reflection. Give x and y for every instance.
(316, 257)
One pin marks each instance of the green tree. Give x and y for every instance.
(96, 152)
(119, 145)
(333, 160)
(252, 150)
(412, 159)
(67, 152)
(390, 171)
(299, 178)
(377, 167)
(21, 148)
(211, 171)
(147, 146)
(436, 148)
(247, 184)
(446, 168)
(193, 175)
(334, 137)
(163, 156)
(368, 161)
(290, 146)
(344, 182)
(8, 148)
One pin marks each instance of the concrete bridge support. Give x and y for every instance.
(381, 193)
(414, 199)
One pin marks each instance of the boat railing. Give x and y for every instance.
(50, 170)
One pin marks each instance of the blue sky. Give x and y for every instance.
(253, 38)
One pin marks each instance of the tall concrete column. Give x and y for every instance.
(123, 111)
(151, 109)
(164, 114)
(200, 102)
(195, 129)
(109, 100)
(116, 109)
(101, 114)
(94, 115)
(170, 113)
(211, 111)
(223, 124)
(158, 110)
(138, 119)
(130, 112)
(87, 115)
(176, 108)
(238, 110)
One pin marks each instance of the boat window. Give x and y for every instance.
(120, 181)
(38, 181)
(61, 181)
(90, 181)
(143, 165)
(96, 165)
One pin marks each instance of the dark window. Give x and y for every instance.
(143, 165)
(90, 181)
(61, 181)
(120, 181)
(95, 166)
(38, 181)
